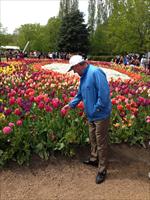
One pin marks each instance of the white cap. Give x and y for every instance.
(74, 60)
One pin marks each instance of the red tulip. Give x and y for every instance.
(12, 100)
(80, 105)
(113, 101)
(128, 106)
(31, 98)
(120, 107)
(17, 111)
(7, 111)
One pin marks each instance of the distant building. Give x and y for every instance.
(10, 47)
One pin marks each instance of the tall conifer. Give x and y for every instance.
(64, 7)
(91, 15)
(73, 33)
(75, 5)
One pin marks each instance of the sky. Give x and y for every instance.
(14, 13)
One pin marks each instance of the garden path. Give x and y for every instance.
(62, 178)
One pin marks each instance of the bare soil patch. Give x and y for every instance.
(63, 178)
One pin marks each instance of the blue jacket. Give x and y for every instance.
(95, 94)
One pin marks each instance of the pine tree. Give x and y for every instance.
(73, 34)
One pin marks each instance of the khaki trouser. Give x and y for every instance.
(98, 134)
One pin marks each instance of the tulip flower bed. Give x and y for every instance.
(32, 119)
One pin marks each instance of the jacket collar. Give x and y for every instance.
(85, 71)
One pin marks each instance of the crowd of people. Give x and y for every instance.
(133, 60)
(129, 59)
(17, 54)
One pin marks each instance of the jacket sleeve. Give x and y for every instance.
(76, 99)
(103, 92)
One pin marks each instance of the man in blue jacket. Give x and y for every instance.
(95, 94)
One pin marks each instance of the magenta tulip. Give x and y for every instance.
(7, 130)
(19, 122)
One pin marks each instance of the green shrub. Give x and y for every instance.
(101, 58)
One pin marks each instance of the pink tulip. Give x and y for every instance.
(46, 99)
(148, 119)
(41, 105)
(13, 92)
(72, 93)
(63, 112)
(126, 91)
(64, 95)
(31, 98)
(38, 99)
(19, 122)
(48, 108)
(65, 98)
(55, 102)
(11, 124)
(7, 130)
(19, 101)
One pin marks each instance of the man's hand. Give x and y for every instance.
(66, 107)
(65, 110)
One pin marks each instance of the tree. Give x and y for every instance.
(64, 8)
(73, 33)
(75, 5)
(61, 10)
(2, 29)
(5, 38)
(99, 44)
(52, 33)
(139, 23)
(103, 9)
(33, 33)
(129, 26)
(99, 18)
(91, 15)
